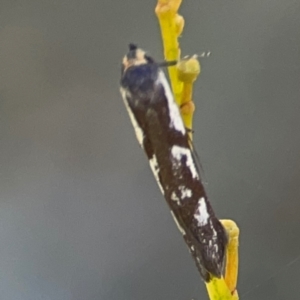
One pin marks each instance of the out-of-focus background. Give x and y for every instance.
(81, 216)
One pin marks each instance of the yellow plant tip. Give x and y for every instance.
(188, 69)
(232, 257)
(179, 22)
(167, 7)
(231, 228)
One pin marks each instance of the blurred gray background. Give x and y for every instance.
(81, 216)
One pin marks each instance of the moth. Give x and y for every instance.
(160, 131)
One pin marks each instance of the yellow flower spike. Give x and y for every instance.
(171, 25)
(182, 78)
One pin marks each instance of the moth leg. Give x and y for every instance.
(232, 258)
(188, 130)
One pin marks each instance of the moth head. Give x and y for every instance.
(135, 57)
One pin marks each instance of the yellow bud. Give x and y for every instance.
(179, 22)
(187, 108)
(188, 69)
(167, 6)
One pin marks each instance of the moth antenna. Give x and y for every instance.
(205, 54)
(189, 130)
(168, 63)
(197, 158)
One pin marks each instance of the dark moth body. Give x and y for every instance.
(162, 135)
